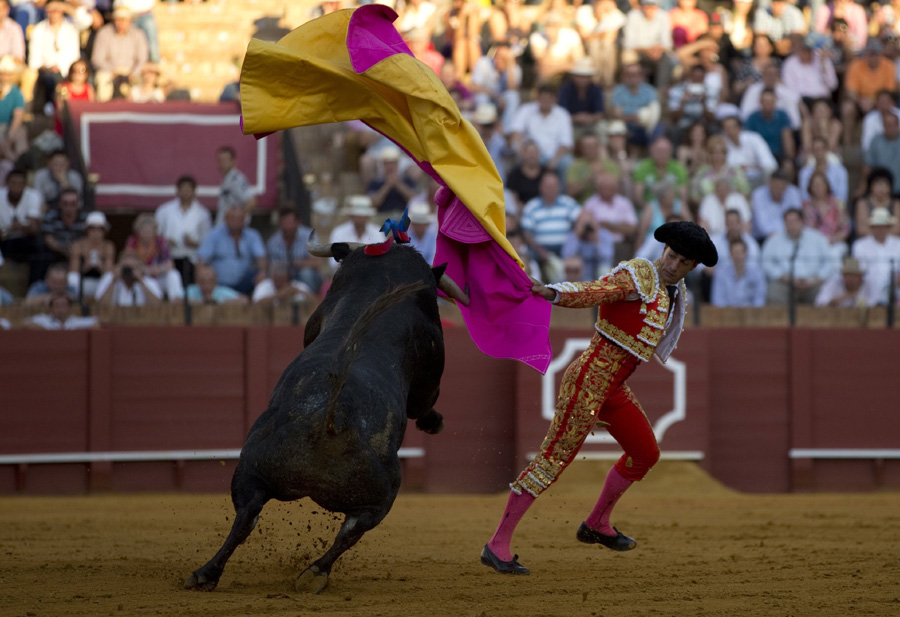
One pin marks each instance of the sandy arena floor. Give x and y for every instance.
(703, 550)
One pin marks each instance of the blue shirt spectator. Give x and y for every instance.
(54, 282)
(219, 294)
(769, 203)
(738, 282)
(235, 252)
(391, 191)
(208, 291)
(589, 100)
(797, 252)
(827, 162)
(580, 96)
(884, 149)
(734, 230)
(771, 126)
(632, 100)
(288, 245)
(548, 218)
(635, 102)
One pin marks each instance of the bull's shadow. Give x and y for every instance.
(373, 356)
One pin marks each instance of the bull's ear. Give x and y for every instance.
(340, 250)
(438, 272)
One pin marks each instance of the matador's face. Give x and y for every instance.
(673, 267)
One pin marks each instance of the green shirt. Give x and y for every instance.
(646, 172)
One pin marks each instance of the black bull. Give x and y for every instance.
(373, 356)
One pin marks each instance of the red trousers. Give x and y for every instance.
(593, 391)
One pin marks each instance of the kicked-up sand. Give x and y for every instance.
(702, 550)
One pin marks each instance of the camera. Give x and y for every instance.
(696, 90)
(127, 272)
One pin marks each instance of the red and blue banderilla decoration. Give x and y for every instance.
(397, 231)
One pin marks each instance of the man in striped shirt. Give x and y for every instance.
(548, 219)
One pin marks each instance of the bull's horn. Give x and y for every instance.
(452, 290)
(318, 250)
(324, 250)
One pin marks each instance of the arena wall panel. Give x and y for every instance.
(841, 405)
(177, 392)
(474, 452)
(44, 393)
(750, 408)
(762, 410)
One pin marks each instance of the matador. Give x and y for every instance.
(641, 313)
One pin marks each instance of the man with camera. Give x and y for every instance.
(127, 284)
(689, 101)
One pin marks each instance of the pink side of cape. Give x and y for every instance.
(504, 319)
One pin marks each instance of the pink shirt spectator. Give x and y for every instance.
(810, 80)
(12, 41)
(831, 221)
(151, 256)
(854, 14)
(618, 211)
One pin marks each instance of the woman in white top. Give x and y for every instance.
(721, 200)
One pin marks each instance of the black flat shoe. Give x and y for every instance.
(618, 542)
(488, 558)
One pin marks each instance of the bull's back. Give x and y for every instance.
(307, 444)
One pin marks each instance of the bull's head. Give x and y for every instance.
(339, 250)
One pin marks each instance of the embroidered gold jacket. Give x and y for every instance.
(634, 308)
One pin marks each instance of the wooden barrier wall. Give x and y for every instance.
(769, 410)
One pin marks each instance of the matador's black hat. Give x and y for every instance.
(689, 240)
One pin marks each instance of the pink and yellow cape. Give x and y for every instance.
(353, 65)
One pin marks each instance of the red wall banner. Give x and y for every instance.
(138, 151)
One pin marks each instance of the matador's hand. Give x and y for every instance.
(539, 289)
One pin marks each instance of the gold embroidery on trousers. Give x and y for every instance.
(576, 408)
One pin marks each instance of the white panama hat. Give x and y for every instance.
(359, 205)
(419, 212)
(881, 217)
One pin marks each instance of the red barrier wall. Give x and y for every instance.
(750, 375)
(474, 452)
(763, 410)
(44, 386)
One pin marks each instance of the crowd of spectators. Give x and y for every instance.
(175, 253)
(773, 124)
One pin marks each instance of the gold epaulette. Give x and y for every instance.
(644, 275)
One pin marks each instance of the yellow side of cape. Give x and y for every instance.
(307, 78)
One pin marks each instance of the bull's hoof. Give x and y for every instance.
(312, 580)
(199, 582)
(431, 422)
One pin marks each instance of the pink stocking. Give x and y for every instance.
(614, 487)
(515, 510)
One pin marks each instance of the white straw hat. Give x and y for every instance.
(420, 213)
(96, 219)
(881, 216)
(359, 205)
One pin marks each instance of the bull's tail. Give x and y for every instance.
(350, 350)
